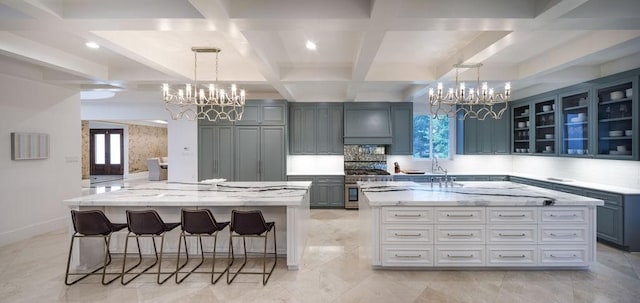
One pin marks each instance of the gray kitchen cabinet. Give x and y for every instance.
(610, 217)
(326, 191)
(248, 153)
(402, 128)
(315, 129)
(302, 129)
(267, 112)
(367, 123)
(484, 137)
(215, 152)
(272, 153)
(260, 152)
(329, 130)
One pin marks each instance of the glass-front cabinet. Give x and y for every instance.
(615, 119)
(521, 125)
(545, 126)
(575, 137)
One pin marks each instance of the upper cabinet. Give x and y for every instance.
(402, 128)
(484, 137)
(367, 123)
(521, 114)
(267, 112)
(545, 126)
(617, 120)
(315, 129)
(575, 126)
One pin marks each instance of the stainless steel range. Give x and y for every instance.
(362, 163)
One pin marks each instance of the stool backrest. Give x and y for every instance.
(90, 222)
(248, 222)
(144, 222)
(198, 221)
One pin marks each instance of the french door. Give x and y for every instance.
(106, 151)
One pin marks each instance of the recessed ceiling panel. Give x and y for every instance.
(533, 44)
(127, 9)
(298, 9)
(336, 48)
(422, 47)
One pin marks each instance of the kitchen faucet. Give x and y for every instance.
(437, 169)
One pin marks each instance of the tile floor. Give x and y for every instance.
(33, 271)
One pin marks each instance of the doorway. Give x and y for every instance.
(106, 151)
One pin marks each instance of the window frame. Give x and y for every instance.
(423, 109)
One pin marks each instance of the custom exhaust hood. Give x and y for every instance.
(367, 123)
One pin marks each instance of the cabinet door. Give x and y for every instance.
(248, 153)
(500, 131)
(402, 129)
(272, 153)
(206, 161)
(273, 114)
(485, 136)
(302, 131)
(336, 194)
(251, 114)
(215, 155)
(609, 223)
(336, 129)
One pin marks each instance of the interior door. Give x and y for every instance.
(107, 150)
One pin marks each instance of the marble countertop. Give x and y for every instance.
(183, 194)
(495, 193)
(315, 173)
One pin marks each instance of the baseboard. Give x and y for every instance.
(29, 231)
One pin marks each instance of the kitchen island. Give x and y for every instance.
(285, 203)
(476, 224)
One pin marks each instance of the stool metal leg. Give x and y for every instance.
(183, 238)
(265, 275)
(264, 259)
(107, 261)
(160, 262)
(124, 261)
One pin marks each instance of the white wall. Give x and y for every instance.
(33, 190)
(182, 140)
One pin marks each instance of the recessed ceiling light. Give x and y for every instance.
(311, 45)
(92, 45)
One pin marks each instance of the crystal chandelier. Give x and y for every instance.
(479, 103)
(194, 102)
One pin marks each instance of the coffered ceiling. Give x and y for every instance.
(367, 50)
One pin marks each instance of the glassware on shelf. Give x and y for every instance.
(623, 110)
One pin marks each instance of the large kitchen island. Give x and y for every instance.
(476, 224)
(285, 203)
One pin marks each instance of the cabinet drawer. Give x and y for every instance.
(407, 214)
(517, 234)
(419, 234)
(472, 215)
(563, 255)
(563, 215)
(459, 234)
(512, 215)
(563, 234)
(407, 256)
(512, 255)
(459, 255)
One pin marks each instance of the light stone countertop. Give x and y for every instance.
(491, 193)
(183, 194)
(315, 173)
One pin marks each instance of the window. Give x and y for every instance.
(431, 137)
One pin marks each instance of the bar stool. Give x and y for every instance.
(251, 224)
(146, 223)
(199, 223)
(92, 223)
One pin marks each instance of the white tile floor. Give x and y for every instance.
(33, 271)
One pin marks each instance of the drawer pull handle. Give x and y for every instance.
(563, 235)
(563, 216)
(460, 256)
(512, 256)
(511, 235)
(460, 235)
(408, 216)
(512, 216)
(408, 256)
(563, 257)
(459, 216)
(408, 235)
